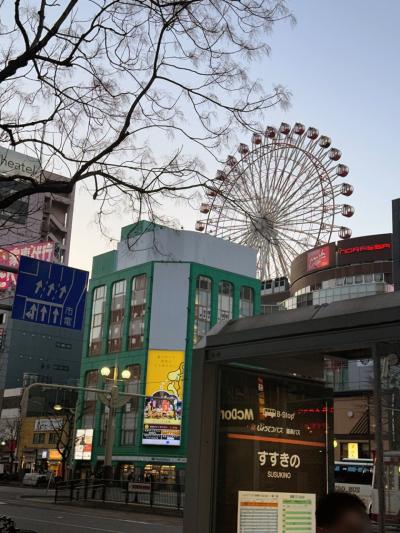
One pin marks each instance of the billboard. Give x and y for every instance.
(318, 258)
(13, 163)
(162, 422)
(10, 256)
(272, 438)
(48, 424)
(83, 445)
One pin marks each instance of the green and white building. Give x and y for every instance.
(149, 302)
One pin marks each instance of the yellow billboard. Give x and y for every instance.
(164, 395)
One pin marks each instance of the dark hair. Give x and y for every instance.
(332, 507)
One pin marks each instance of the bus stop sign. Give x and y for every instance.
(50, 293)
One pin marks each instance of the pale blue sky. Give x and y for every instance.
(341, 63)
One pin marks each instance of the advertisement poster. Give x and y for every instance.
(269, 512)
(83, 444)
(272, 439)
(164, 394)
(319, 258)
(10, 256)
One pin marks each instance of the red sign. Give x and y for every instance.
(10, 256)
(318, 258)
(365, 248)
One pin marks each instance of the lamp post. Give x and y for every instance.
(112, 399)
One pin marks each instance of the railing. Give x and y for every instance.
(148, 494)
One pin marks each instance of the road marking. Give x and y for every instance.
(3, 503)
(80, 526)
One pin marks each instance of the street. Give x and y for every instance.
(32, 510)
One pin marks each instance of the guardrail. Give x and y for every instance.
(148, 494)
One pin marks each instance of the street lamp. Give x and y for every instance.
(105, 371)
(58, 407)
(112, 399)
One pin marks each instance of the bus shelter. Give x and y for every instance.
(260, 435)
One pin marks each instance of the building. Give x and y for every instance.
(149, 302)
(351, 268)
(38, 226)
(43, 217)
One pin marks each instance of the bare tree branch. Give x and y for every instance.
(90, 88)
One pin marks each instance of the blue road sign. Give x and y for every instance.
(49, 293)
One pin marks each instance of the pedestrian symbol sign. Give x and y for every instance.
(50, 293)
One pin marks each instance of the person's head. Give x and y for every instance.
(341, 512)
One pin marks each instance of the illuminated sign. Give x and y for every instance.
(164, 394)
(10, 256)
(352, 450)
(365, 248)
(83, 445)
(279, 446)
(319, 258)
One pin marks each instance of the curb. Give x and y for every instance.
(129, 507)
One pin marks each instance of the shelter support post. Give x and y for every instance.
(204, 414)
(379, 467)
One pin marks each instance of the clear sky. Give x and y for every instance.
(341, 63)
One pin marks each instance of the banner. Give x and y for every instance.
(164, 394)
(10, 256)
(83, 445)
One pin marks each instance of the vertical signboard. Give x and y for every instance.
(83, 445)
(273, 441)
(164, 395)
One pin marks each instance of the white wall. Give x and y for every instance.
(165, 244)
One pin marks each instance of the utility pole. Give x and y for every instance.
(112, 399)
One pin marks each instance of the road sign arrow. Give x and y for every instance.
(63, 290)
(39, 285)
(56, 313)
(31, 314)
(43, 313)
(50, 289)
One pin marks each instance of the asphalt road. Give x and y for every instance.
(43, 516)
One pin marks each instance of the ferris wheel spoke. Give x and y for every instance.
(281, 198)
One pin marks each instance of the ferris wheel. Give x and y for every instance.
(281, 196)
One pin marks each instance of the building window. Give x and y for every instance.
(130, 409)
(378, 276)
(225, 300)
(89, 401)
(117, 316)
(38, 438)
(246, 302)
(138, 312)
(97, 326)
(53, 438)
(202, 309)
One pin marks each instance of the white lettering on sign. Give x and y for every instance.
(270, 429)
(237, 414)
(283, 459)
(275, 413)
